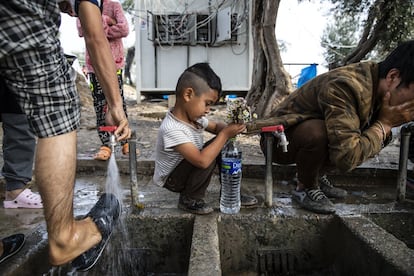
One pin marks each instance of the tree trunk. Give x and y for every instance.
(270, 81)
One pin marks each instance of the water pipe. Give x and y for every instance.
(270, 132)
(133, 169)
(406, 131)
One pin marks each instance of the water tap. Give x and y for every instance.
(279, 132)
(112, 139)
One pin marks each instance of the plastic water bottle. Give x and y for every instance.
(231, 175)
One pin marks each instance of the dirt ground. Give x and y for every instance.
(145, 118)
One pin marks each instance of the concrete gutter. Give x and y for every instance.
(395, 253)
(205, 251)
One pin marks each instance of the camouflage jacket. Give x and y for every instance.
(346, 99)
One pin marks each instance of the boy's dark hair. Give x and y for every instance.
(401, 58)
(196, 76)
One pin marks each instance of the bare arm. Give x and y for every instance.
(203, 158)
(104, 65)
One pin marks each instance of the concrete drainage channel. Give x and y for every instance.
(162, 240)
(249, 244)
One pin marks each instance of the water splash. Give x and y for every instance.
(113, 180)
(116, 256)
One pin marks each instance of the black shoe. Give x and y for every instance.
(330, 191)
(105, 214)
(195, 206)
(314, 200)
(248, 200)
(11, 245)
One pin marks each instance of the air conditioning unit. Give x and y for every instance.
(169, 29)
(179, 29)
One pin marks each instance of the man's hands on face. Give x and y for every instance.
(396, 115)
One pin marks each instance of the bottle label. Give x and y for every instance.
(231, 166)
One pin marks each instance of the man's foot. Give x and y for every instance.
(313, 200)
(105, 215)
(195, 206)
(11, 245)
(329, 190)
(248, 200)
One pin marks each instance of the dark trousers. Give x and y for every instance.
(19, 144)
(189, 180)
(308, 148)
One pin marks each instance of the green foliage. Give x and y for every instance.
(339, 38)
(379, 25)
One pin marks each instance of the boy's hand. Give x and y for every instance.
(232, 130)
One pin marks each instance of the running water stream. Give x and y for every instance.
(117, 257)
(113, 180)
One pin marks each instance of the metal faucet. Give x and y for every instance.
(112, 139)
(279, 132)
(270, 131)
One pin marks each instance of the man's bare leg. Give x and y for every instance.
(55, 174)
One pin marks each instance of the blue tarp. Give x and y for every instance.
(306, 74)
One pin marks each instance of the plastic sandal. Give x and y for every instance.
(105, 215)
(103, 154)
(11, 245)
(125, 150)
(26, 199)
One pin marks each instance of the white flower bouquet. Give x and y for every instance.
(238, 111)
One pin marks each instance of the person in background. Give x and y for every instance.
(19, 144)
(116, 27)
(10, 245)
(183, 164)
(35, 70)
(340, 119)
